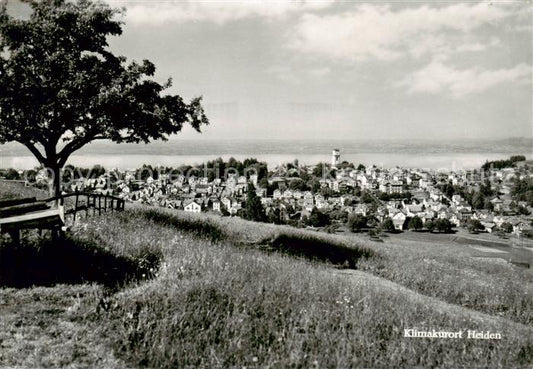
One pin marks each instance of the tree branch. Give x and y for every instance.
(74, 146)
(35, 151)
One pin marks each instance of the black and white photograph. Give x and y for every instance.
(260, 184)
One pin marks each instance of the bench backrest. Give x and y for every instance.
(13, 202)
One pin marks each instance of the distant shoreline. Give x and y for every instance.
(417, 153)
(433, 161)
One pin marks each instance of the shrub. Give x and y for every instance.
(388, 225)
(474, 225)
(415, 223)
(356, 222)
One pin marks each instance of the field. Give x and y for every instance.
(163, 289)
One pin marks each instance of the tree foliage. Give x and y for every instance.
(388, 225)
(522, 190)
(298, 184)
(443, 225)
(416, 223)
(506, 227)
(431, 225)
(500, 164)
(474, 225)
(318, 218)
(356, 222)
(60, 87)
(254, 208)
(10, 174)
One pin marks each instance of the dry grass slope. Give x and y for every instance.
(214, 305)
(447, 273)
(204, 293)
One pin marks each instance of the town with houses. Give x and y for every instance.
(291, 193)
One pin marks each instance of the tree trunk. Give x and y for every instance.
(55, 190)
(55, 183)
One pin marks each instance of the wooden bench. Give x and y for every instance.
(28, 213)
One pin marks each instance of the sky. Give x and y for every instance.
(342, 69)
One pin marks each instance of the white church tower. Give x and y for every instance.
(335, 157)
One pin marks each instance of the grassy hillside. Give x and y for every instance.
(214, 304)
(13, 190)
(445, 272)
(166, 289)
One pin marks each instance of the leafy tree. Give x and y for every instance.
(235, 165)
(253, 166)
(326, 192)
(448, 189)
(488, 205)
(444, 225)
(416, 223)
(349, 202)
(522, 190)
(506, 227)
(346, 165)
(263, 183)
(319, 170)
(294, 174)
(254, 208)
(527, 234)
(61, 88)
(372, 221)
(383, 196)
(11, 174)
(474, 225)
(339, 215)
(356, 222)
(298, 184)
(224, 210)
(499, 164)
(388, 225)
(304, 176)
(478, 201)
(431, 225)
(366, 198)
(332, 228)
(314, 185)
(318, 218)
(274, 216)
(486, 188)
(144, 172)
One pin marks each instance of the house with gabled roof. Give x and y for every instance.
(192, 206)
(399, 220)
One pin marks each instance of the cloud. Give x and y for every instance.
(379, 32)
(293, 75)
(216, 11)
(319, 72)
(438, 78)
(284, 73)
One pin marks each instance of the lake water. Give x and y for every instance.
(386, 153)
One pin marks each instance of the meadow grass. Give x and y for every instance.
(445, 272)
(216, 305)
(49, 327)
(205, 294)
(15, 190)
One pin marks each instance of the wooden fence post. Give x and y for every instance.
(75, 209)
